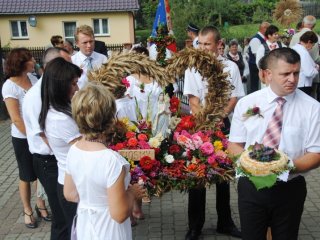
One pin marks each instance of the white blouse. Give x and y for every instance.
(12, 90)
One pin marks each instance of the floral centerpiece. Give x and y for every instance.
(195, 158)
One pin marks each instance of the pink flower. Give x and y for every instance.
(185, 133)
(144, 145)
(185, 141)
(207, 148)
(175, 136)
(197, 141)
(212, 159)
(221, 154)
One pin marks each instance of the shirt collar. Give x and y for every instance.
(83, 57)
(271, 96)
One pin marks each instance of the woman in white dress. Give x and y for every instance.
(96, 176)
(145, 90)
(59, 83)
(19, 66)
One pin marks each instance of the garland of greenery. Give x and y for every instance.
(219, 88)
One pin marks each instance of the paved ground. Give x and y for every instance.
(166, 217)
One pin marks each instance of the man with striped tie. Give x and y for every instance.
(291, 123)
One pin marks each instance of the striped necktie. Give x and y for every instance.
(273, 133)
(88, 62)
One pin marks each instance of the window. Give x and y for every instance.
(19, 29)
(100, 27)
(69, 29)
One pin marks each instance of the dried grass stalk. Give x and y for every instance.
(219, 88)
(287, 12)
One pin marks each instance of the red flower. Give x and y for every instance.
(219, 134)
(157, 150)
(174, 104)
(125, 82)
(146, 163)
(186, 123)
(130, 135)
(174, 149)
(119, 146)
(142, 137)
(132, 142)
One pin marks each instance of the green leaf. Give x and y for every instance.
(263, 181)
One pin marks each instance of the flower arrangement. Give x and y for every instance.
(252, 112)
(195, 158)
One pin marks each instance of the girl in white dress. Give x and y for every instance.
(96, 176)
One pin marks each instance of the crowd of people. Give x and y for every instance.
(62, 126)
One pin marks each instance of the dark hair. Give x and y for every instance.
(211, 29)
(286, 54)
(233, 42)
(16, 61)
(52, 53)
(262, 64)
(309, 36)
(56, 39)
(141, 50)
(55, 87)
(70, 42)
(299, 25)
(271, 30)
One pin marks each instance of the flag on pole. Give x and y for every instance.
(163, 18)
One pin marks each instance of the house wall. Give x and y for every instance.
(121, 28)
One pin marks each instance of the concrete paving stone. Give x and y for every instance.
(11, 237)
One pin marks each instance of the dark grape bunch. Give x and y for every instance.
(263, 153)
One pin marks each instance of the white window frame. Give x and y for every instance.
(19, 29)
(101, 27)
(64, 31)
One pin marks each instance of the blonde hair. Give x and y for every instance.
(84, 29)
(93, 109)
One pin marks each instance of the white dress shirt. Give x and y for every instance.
(79, 59)
(11, 90)
(301, 122)
(196, 86)
(255, 43)
(60, 130)
(31, 114)
(308, 69)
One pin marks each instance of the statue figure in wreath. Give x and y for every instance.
(161, 119)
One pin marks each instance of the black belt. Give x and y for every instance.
(46, 157)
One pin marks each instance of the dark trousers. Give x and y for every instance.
(69, 208)
(254, 78)
(46, 169)
(197, 206)
(279, 207)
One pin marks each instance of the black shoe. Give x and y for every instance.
(192, 235)
(230, 230)
(33, 223)
(38, 211)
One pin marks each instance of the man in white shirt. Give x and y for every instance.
(44, 162)
(196, 89)
(281, 205)
(309, 69)
(254, 44)
(87, 59)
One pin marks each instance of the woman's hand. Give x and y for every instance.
(137, 190)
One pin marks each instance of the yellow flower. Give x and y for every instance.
(218, 145)
(129, 125)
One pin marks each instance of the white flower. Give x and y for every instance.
(169, 158)
(174, 121)
(156, 140)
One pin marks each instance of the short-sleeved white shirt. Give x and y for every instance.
(308, 69)
(126, 107)
(93, 172)
(153, 53)
(301, 122)
(12, 90)
(79, 59)
(261, 50)
(60, 130)
(31, 114)
(196, 86)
